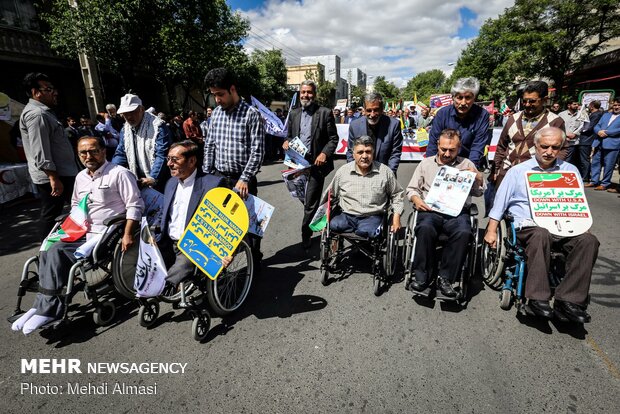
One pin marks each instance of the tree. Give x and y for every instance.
(272, 75)
(539, 38)
(177, 41)
(325, 91)
(424, 84)
(385, 88)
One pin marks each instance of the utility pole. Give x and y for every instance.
(349, 87)
(92, 82)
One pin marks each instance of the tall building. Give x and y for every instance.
(355, 77)
(331, 63)
(295, 75)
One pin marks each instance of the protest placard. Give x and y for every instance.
(216, 229)
(558, 203)
(260, 213)
(450, 190)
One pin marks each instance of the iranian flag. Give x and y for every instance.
(73, 228)
(321, 217)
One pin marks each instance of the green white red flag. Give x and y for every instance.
(73, 228)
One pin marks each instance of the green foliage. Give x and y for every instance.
(385, 88)
(177, 41)
(271, 74)
(538, 38)
(424, 84)
(326, 90)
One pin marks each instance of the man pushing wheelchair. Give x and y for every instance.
(580, 250)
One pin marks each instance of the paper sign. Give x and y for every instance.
(558, 203)
(215, 230)
(450, 190)
(260, 213)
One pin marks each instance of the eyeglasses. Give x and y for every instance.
(47, 90)
(531, 101)
(84, 153)
(174, 160)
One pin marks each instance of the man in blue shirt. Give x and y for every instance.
(580, 251)
(472, 121)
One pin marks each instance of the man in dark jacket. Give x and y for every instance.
(587, 138)
(384, 130)
(316, 127)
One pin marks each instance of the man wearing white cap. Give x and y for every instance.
(144, 143)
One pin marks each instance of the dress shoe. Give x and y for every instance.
(589, 185)
(572, 311)
(416, 285)
(600, 188)
(541, 308)
(612, 190)
(446, 287)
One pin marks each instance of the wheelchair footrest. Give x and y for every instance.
(14, 317)
(427, 293)
(440, 296)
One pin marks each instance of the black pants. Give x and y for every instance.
(430, 225)
(51, 207)
(314, 190)
(579, 156)
(179, 267)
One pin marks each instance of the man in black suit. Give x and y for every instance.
(316, 127)
(384, 130)
(184, 192)
(587, 138)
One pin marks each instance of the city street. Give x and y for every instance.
(298, 346)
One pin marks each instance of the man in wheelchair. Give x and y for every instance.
(112, 190)
(581, 251)
(431, 224)
(182, 196)
(363, 189)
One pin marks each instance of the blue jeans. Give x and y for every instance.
(605, 159)
(362, 226)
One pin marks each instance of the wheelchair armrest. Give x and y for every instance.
(113, 220)
(509, 217)
(61, 218)
(473, 210)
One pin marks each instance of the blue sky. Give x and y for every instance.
(381, 37)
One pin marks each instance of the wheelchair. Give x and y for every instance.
(381, 250)
(202, 297)
(99, 276)
(469, 265)
(504, 269)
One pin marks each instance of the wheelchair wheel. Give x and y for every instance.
(390, 256)
(148, 312)
(228, 292)
(376, 285)
(492, 260)
(104, 313)
(408, 243)
(324, 275)
(201, 325)
(324, 250)
(124, 268)
(505, 299)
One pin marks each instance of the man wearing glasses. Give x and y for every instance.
(182, 196)
(111, 190)
(516, 143)
(50, 157)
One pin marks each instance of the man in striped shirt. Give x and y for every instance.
(235, 142)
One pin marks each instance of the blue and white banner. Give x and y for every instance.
(273, 125)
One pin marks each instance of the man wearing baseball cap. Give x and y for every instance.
(144, 143)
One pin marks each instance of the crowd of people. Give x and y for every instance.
(132, 148)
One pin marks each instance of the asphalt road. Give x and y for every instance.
(297, 346)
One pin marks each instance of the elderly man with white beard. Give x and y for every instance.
(144, 143)
(316, 128)
(384, 130)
